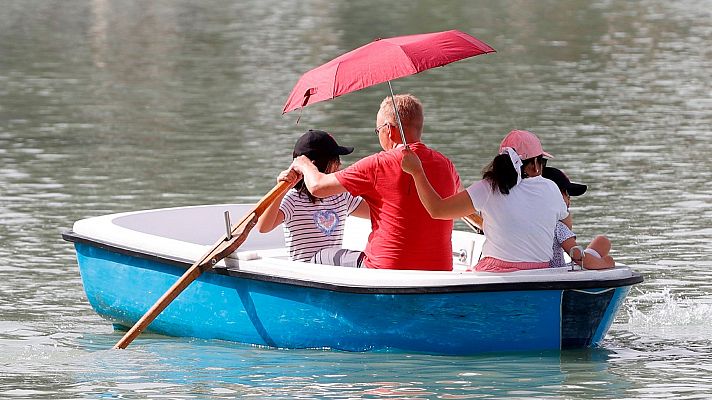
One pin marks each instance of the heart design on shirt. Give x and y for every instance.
(326, 221)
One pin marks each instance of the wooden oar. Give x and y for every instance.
(474, 221)
(221, 249)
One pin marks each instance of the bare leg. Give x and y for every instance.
(601, 244)
(593, 262)
(597, 254)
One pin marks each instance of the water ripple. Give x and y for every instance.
(107, 108)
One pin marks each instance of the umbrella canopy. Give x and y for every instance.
(380, 61)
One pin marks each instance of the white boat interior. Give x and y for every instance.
(187, 233)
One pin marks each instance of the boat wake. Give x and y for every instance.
(668, 315)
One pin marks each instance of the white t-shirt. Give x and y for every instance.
(310, 227)
(519, 226)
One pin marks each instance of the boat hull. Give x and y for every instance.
(242, 307)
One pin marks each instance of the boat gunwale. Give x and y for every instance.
(635, 277)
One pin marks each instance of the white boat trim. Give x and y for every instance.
(158, 233)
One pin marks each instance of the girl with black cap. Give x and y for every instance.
(312, 224)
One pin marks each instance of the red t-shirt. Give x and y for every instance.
(403, 235)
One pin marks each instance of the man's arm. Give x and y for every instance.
(318, 183)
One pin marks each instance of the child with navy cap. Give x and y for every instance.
(596, 254)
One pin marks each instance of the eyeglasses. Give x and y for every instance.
(378, 128)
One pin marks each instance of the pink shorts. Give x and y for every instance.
(489, 264)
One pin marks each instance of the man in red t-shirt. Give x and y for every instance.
(403, 235)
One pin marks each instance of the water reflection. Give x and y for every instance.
(228, 370)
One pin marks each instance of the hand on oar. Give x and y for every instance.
(272, 216)
(290, 176)
(221, 249)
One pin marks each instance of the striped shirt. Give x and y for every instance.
(310, 227)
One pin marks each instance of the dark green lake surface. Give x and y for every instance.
(110, 106)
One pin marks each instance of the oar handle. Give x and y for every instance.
(474, 221)
(218, 251)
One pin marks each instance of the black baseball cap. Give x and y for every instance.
(563, 182)
(316, 144)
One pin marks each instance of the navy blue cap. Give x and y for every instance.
(316, 144)
(563, 181)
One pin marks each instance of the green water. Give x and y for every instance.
(109, 106)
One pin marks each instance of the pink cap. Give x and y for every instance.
(525, 143)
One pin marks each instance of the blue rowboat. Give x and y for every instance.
(258, 296)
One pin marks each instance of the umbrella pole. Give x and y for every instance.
(395, 109)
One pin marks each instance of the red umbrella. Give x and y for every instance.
(380, 61)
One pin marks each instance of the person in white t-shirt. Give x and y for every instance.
(313, 224)
(519, 208)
